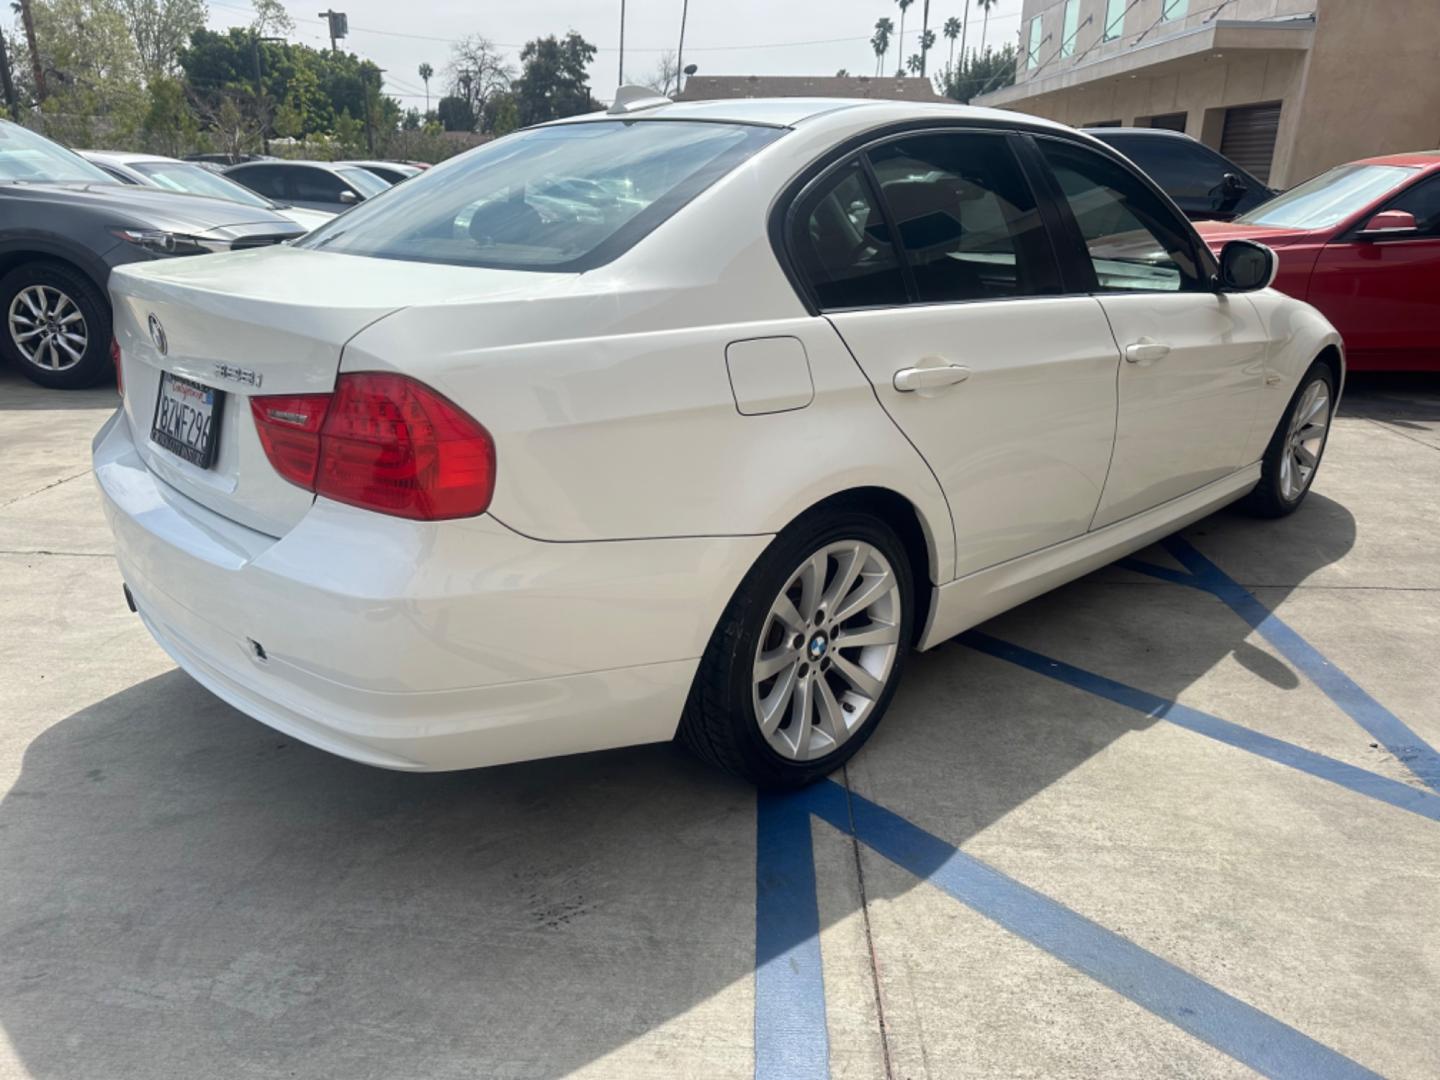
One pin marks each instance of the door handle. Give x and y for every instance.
(930, 378)
(1146, 351)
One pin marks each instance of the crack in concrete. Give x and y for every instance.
(61, 554)
(42, 490)
(869, 937)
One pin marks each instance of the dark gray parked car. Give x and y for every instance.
(312, 185)
(1205, 185)
(64, 224)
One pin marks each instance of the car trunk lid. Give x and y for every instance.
(266, 322)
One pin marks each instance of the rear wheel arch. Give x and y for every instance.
(898, 512)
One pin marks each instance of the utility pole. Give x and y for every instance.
(6, 82)
(369, 115)
(37, 68)
(622, 44)
(339, 24)
(680, 55)
(924, 33)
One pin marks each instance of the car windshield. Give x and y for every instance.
(1329, 198)
(26, 157)
(364, 181)
(192, 179)
(562, 197)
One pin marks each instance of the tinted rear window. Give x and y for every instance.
(551, 198)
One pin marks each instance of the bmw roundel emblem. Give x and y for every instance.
(157, 335)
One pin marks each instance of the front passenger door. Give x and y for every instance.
(941, 281)
(1194, 358)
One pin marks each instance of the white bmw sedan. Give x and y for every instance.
(687, 419)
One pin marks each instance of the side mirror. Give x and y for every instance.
(1246, 266)
(349, 198)
(1390, 223)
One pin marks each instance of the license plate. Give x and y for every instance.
(187, 419)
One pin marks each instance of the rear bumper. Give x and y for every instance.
(422, 646)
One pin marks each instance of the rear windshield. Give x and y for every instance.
(553, 198)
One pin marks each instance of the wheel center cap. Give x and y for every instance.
(818, 646)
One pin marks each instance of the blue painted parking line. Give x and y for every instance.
(1362, 781)
(1383, 725)
(791, 1042)
(1250, 1036)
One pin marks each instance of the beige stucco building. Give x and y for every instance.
(1286, 88)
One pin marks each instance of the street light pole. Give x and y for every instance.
(680, 54)
(621, 81)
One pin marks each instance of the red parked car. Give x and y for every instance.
(1362, 243)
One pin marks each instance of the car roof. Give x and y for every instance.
(792, 112)
(376, 161)
(1422, 158)
(1160, 133)
(327, 165)
(123, 157)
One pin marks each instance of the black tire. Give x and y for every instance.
(720, 723)
(94, 365)
(1269, 499)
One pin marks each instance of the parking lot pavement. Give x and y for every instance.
(1176, 819)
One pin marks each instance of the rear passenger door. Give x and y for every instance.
(1194, 357)
(929, 255)
(319, 189)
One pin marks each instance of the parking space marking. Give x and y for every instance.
(1361, 781)
(791, 993)
(1386, 728)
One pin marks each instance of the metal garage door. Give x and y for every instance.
(1249, 137)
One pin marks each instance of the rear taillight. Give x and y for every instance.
(383, 442)
(289, 429)
(115, 359)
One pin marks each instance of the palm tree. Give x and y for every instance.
(951, 32)
(425, 71)
(985, 6)
(900, 72)
(924, 34)
(881, 43)
(964, 26)
(915, 63)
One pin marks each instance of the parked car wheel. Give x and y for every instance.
(1293, 456)
(57, 326)
(806, 658)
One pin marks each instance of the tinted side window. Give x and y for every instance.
(842, 244)
(1191, 174)
(965, 216)
(264, 179)
(1133, 239)
(1422, 200)
(315, 185)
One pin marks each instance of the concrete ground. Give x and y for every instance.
(1076, 881)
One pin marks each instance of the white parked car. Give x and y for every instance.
(756, 397)
(172, 174)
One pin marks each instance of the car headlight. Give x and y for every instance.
(162, 242)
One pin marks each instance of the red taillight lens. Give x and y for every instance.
(289, 429)
(383, 442)
(394, 445)
(115, 359)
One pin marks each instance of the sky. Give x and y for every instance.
(723, 37)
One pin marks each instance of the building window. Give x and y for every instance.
(1114, 19)
(1072, 27)
(1174, 9)
(1033, 53)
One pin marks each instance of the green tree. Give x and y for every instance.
(903, 4)
(501, 115)
(454, 114)
(94, 90)
(951, 31)
(160, 29)
(553, 81)
(981, 73)
(880, 42)
(271, 19)
(169, 126)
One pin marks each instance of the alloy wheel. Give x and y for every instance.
(1305, 440)
(48, 328)
(827, 650)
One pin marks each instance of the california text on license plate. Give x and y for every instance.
(187, 419)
